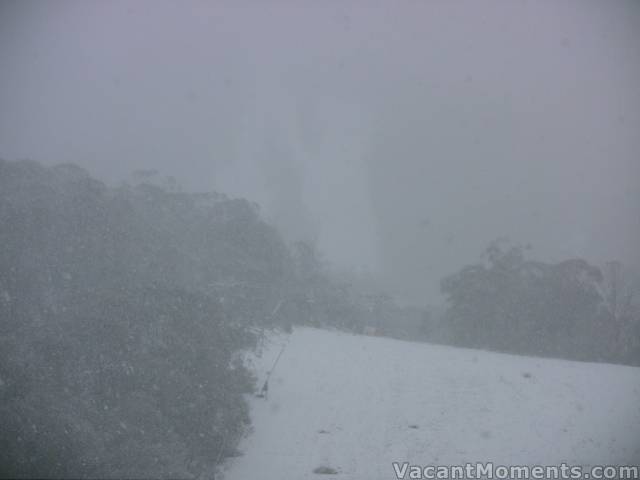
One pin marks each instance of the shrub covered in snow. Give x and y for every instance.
(121, 315)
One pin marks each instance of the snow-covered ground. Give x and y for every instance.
(357, 404)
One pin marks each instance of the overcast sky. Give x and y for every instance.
(402, 136)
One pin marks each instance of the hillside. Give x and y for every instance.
(357, 404)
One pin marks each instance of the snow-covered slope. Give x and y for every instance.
(357, 404)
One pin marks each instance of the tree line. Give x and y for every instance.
(570, 309)
(124, 313)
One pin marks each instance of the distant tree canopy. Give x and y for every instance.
(524, 306)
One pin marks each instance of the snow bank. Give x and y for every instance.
(356, 404)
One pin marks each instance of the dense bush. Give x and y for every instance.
(122, 312)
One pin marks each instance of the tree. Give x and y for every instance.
(514, 304)
(118, 347)
(621, 293)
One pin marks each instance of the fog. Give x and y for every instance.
(304, 238)
(401, 138)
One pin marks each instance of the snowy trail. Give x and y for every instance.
(357, 404)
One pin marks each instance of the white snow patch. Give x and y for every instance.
(356, 404)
